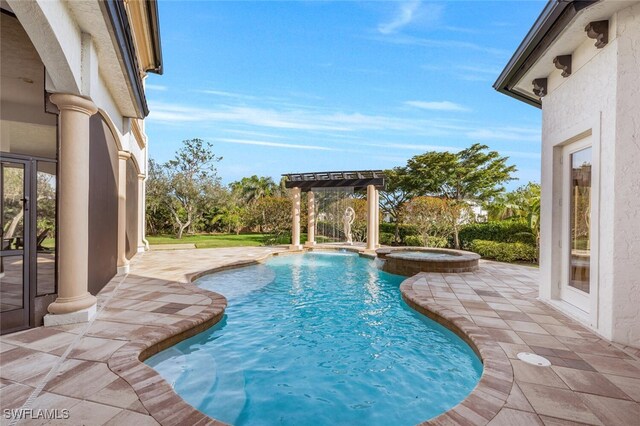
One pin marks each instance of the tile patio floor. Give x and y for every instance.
(93, 369)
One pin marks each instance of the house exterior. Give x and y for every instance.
(580, 63)
(73, 151)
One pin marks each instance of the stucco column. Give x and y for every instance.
(311, 219)
(377, 218)
(74, 298)
(123, 262)
(142, 244)
(295, 213)
(371, 217)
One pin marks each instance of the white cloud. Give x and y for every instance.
(307, 119)
(337, 127)
(415, 147)
(437, 106)
(403, 16)
(506, 134)
(445, 44)
(225, 94)
(155, 87)
(275, 144)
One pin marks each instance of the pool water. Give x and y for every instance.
(319, 339)
(419, 255)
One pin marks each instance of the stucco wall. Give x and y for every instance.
(626, 244)
(103, 205)
(132, 210)
(600, 98)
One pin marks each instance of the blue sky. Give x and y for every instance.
(282, 87)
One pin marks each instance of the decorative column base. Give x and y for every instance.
(123, 270)
(295, 247)
(84, 315)
(310, 244)
(142, 249)
(65, 305)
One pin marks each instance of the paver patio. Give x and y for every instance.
(93, 370)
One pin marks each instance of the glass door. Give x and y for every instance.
(576, 286)
(14, 257)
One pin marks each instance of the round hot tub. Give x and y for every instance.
(409, 261)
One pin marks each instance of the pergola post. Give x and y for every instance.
(371, 217)
(377, 218)
(295, 213)
(311, 220)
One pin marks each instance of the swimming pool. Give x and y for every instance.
(319, 338)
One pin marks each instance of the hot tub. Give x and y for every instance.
(409, 261)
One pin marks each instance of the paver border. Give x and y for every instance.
(168, 408)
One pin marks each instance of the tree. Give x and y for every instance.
(432, 216)
(513, 204)
(399, 189)
(188, 175)
(251, 189)
(522, 203)
(272, 215)
(471, 174)
(159, 219)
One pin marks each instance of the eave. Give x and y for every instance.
(555, 16)
(116, 13)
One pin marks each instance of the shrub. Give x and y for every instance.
(418, 241)
(504, 252)
(506, 231)
(413, 240)
(404, 230)
(524, 238)
(437, 242)
(386, 238)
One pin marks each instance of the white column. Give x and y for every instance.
(377, 218)
(371, 217)
(123, 262)
(295, 213)
(74, 302)
(142, 245)
(311, 220)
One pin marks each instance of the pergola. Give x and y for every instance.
(370, 180)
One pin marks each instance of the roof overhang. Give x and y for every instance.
(146, 33)
(555, 17)
(147, 26)
(121, 34)
(358, 180)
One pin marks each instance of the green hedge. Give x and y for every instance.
(386, 238)
(404, 231)
(417, 241)
(506, 231)
(504, 252)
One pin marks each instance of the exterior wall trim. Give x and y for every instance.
(590, 127)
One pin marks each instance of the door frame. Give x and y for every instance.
(30, 243)
(19, 319)
(577, 298)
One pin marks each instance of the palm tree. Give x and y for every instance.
(251, 189)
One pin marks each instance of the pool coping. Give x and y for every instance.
(493, 389)
(168, 408)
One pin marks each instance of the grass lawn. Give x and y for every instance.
(213, 240)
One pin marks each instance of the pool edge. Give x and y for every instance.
(492, 391)
(168, 408)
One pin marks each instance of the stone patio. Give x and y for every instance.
(93, 370)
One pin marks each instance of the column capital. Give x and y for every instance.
(142, 176)
(124, 155)
(69, 102)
